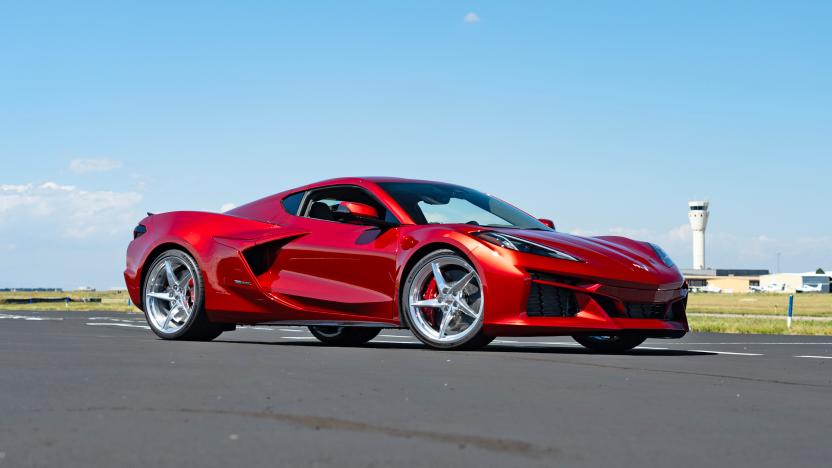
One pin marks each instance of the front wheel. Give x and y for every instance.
(609, 343)
(442, 302)
(344, 336)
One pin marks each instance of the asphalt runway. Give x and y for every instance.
(99, 389)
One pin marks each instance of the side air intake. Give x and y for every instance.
(261, 258)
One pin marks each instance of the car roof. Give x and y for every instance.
(259, 209)
(373, 179)
(360, 181)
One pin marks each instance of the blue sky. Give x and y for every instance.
(605, 116)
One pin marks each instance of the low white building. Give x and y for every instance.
(792, 282)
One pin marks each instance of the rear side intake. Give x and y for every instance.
(261, 257)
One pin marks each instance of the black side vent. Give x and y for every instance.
(677, 310)
(649, 310)
(537, 275)
(260, 258)
(551, 301)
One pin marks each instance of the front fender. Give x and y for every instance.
(494, 269)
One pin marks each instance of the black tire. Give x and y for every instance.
(477, 339)
(611, 344)
(197, 327)
(344, 336)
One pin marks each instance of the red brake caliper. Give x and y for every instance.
(191, 293)
(430, 293)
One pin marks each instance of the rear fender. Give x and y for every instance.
(240, 264)
(217, 242)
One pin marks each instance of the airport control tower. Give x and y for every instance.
(698, 216)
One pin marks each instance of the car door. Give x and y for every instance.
(339, 270)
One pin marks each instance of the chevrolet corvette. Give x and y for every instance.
(348, 257)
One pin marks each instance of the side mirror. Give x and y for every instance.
(358, 211)
(547, 222)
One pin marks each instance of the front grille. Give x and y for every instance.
(649, 310)
(550, 301)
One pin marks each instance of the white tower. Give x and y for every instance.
(698, 216)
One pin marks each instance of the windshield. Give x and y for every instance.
(451, 204)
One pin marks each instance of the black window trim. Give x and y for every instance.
(302, 199)
(303, 208)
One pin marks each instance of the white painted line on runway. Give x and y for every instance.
(293, 330)
(816, 357)
(116, 320)
(397, 336)
(100, 324)
(651, 347)
(724, 352)
(557, 343)
(309, 338)
(28, 317)
(747, 343)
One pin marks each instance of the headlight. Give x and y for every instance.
(663, 256)
(510, 242)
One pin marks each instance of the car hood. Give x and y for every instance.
(612, 259)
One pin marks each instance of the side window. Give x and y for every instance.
(322, 203)
(292, 203)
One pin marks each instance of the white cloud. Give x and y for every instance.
(633, 233)
(726, 250)
(681, 233)
(226, 207)
(14, 188)
(471, 17)
(74, 212)
(84, 166)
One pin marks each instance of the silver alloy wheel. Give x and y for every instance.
(445, 301)
(170, 295)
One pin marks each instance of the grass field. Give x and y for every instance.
(110, 300)
(813, 305)
(775, 305)
(758, 325)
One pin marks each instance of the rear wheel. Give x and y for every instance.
(610, 343)
(174, 299)
(344, 336)
(442, 302)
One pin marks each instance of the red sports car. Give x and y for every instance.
(348, 257)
